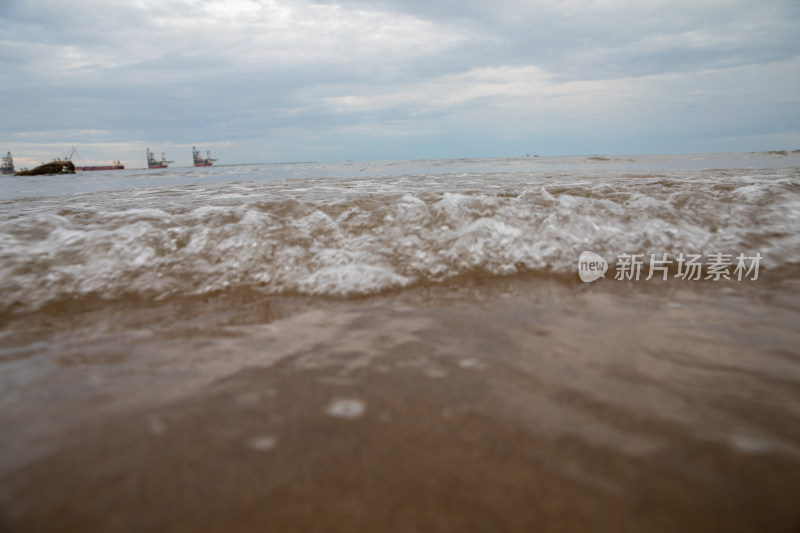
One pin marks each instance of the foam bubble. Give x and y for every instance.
(750, 445)
(263, 443)
(348, 409)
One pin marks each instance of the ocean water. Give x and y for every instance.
(395, 345)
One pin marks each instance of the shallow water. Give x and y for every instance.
(342, 236)
(409, 350)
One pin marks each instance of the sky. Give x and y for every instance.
(331, 80)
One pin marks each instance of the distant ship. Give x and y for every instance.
(200, 161)
(152, 162)
(8, 165)
(115, 165)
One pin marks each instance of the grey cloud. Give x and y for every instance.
(435, 73)
(586, 40)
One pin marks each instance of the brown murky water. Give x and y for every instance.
(484, 405)
(410, 350)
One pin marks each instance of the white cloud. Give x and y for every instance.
(173, 71)
(507, 88)
(222, 35)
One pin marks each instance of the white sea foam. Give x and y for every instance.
(341, 237)
(348, 409)
(262, 444)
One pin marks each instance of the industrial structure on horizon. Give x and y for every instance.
(7, 167)
(206, 161)
(152, 162)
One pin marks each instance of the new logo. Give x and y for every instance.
(591, 266)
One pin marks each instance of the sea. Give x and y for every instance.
(604, 343)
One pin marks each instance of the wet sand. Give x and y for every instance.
(520, 404)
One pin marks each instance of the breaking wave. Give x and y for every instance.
(342, 237)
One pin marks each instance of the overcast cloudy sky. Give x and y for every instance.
(300, 80)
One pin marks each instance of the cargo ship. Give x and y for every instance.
(202, 161)
(8, 165)
(115, 165)
(152, 162)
